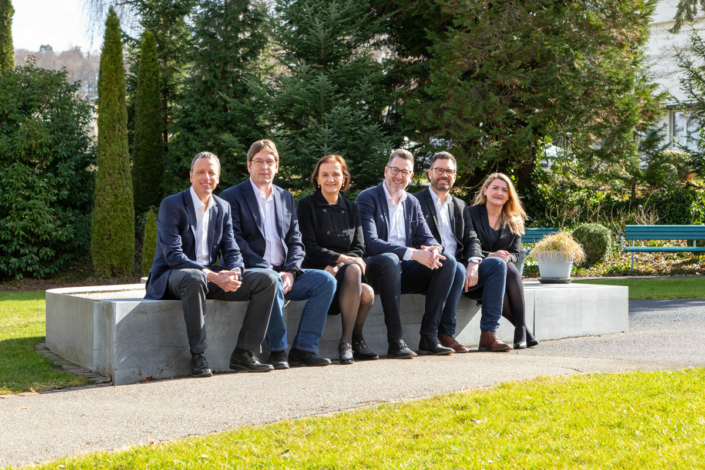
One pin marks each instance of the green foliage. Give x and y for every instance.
(693, 83)
(7, 51)
(148, 148)
(149, 245)
(219, 112)
(328, 97)
(45, 187)
(686, 12)
(112, 242)
(596, 240)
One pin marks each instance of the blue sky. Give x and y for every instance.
(60, 23)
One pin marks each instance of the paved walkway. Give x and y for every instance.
(40, 427)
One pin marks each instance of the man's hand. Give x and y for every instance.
(333, 269)
(501, 254)
(437, 252)
(429, 258)
(471, 275)
(229, 281)
(288, 280)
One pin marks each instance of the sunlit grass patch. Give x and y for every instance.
(650, 289)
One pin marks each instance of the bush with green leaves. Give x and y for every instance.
(149, 244)
(46, 189)
(596, 240)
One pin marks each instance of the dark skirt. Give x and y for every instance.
(339, 276)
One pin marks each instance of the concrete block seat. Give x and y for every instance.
(114, 330)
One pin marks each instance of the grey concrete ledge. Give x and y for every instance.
(114, 330)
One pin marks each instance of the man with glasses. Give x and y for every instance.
(267, 231)
(446, 218)
(393, 223)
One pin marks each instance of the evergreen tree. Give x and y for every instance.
(218, 112)
(149, 244)
(113, 242)
(7, 51)
(693, 83)
(329, 96)
(148, 147)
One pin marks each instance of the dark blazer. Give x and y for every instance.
(248, 225)
(506, 241)
(465, 236)
(374, 216)
(329, 230)
(176, 240)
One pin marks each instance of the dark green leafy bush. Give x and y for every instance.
(46, 190)
(596, 240)
(149, 245)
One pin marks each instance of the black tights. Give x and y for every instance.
(513, 308)
(355, 300)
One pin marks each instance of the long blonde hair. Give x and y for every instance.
(513, 214)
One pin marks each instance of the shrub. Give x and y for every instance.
(149, 245)
(46, 190)
(596, 240)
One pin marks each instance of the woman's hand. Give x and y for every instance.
(471, 275)
(345, 259)
(501, 254)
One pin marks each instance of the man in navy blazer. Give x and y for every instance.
(267, 231)
(194, 230)
(393, 223)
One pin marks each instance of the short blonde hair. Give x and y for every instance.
(513, 214)
(266, 145)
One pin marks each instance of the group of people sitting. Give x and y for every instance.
(336, 255)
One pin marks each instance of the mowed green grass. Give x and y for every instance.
(651, 289)
(22, 368)
(630, 420)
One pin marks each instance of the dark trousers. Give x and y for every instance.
(259, 287)
(390, 278)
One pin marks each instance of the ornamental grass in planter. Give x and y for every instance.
(556, 254)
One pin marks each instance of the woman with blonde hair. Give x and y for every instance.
(498, 218)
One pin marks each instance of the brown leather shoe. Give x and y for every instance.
(490, 342)
(449, 342)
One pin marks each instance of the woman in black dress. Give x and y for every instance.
(498, 218)
(332, 234)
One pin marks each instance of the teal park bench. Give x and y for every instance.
(533, 235)
(662, 232)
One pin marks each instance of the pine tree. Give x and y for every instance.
(218, 112)
(148, 147)
(7, 51)
(149, 245)
(329, 97)
(113, 242)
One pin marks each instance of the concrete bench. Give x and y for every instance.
(113, 330)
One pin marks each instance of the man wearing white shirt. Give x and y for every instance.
(447, 219)
(194, 230)
(393, 224)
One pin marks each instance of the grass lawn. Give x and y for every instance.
(648, 289)
(22, 368)
(631, 420)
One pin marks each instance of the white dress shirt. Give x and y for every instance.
(274, 253)
(446, 231)
(202, 220)
(397, 227)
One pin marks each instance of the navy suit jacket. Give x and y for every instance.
(374, 215)
(176, 241)
(248, 225)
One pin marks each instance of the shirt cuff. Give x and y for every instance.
(476, 258)
(407, 255)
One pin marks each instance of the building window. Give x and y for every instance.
(685, 129)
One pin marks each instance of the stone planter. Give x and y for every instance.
(554, 265)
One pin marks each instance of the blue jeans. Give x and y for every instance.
(491, 284)
(447, 324)
(318, 287)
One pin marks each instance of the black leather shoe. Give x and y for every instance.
(532, 342)
(399, 350)
(361, 352)
(431, 345)
(248, 363)
(520, 345)
(306, 359)
(346, 353)
(199, 366)
(278, 359)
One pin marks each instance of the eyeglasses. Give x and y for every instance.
(258, 162)
(395, 171)
(441, 171)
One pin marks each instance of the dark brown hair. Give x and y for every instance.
(332, 159)
(264, 144)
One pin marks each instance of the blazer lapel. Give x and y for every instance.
(212, 222)
(191, 211)
(407, 221)
(278, 211)
(385, 209)
(251, 199)
(436, 229)
(485, 223)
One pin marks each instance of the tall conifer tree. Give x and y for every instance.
(7, 51)
(113, 236)
(148, 147)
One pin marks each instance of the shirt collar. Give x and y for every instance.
(437, 198)
(389, 196)
(198, 204)
(259, 192)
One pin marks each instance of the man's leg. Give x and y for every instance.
(189, 285)
(383, 274)
(317, 288)
(446, 328)
(276, 329)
